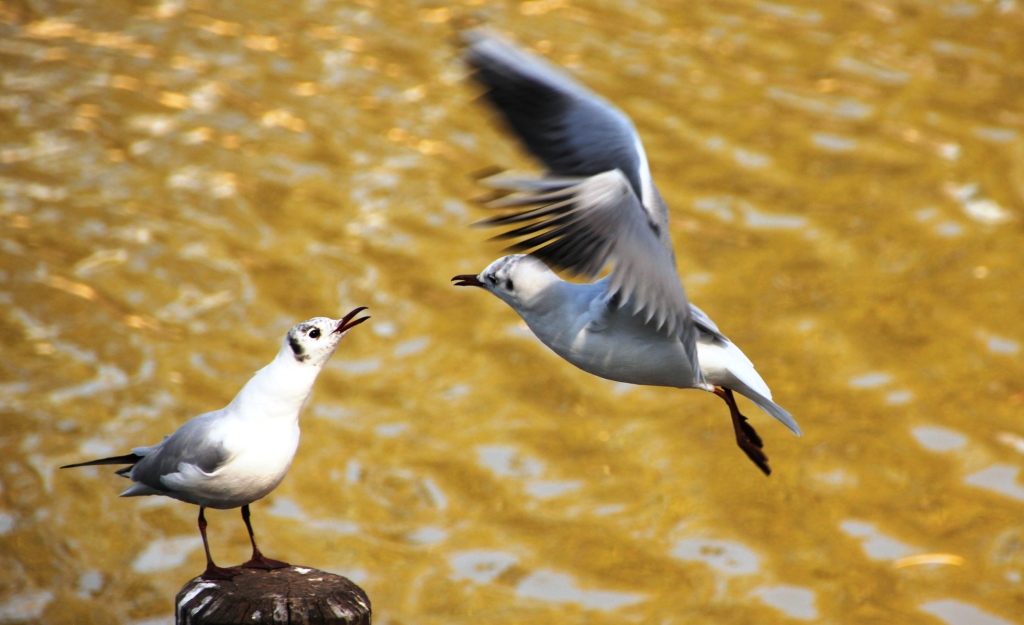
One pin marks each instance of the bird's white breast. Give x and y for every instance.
(260, 453)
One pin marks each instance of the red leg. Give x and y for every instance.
(746, 437)
(258, 560)
(213, 572)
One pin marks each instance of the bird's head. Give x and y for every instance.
(517, 279)
(313, 342)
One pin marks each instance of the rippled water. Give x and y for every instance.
(181, 182)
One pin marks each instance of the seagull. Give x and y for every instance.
(597, 206)
(234, 456)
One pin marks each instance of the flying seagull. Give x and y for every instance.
(234, 456)
(597, 206)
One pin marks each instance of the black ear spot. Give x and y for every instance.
(508, 284)
(300, 353)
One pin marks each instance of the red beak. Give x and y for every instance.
(467, 279)
(347, 323)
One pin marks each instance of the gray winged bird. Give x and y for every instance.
(597, 206)
(234, 456)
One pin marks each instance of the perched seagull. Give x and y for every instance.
(597, 206)
(233, 456)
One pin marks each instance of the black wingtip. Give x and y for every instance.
(125, 459)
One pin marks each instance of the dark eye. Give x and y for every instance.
(492, 279)
(508, 284)
(314, 333)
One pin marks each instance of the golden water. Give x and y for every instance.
(181, 182)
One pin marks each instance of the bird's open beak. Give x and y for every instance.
(347, 323)
(467, 279)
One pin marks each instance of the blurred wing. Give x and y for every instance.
(572, 130)
(584, 224)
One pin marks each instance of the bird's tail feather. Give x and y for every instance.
(770, 407)
(125, 459)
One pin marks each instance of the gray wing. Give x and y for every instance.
(584, 224)
(572, 130)
(195, 443)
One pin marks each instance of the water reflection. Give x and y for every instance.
(726, 209)
(877, 545)
(7, 522)
(506, 461)
(481, 567)
(562, 588)
(89, 583)
(998, 478)
(900, 397)
(546, 489)
(792, 601)
(767, 221)
(870, 380)
(181, 181)
(936, 438)
(288, 509)
(828, 106)
(726, 557)
(998, 344)
(1011, 440)
(957, 612)
(833, 143)
(25, 606)
(981, 209)
(166, 553)
(427, 535)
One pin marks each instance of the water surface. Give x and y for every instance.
(180, 182)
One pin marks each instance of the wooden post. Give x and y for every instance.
(289, 596)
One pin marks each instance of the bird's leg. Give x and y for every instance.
(746, 437)
(213, 572)
(258, 560)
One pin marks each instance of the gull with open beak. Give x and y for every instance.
(234, 456)
(598, 206)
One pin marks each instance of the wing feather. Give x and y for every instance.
(571, 129)
(195, 443)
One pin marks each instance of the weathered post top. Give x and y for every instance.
(291, 596)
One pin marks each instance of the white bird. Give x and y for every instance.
(598, 206)
(234, 456)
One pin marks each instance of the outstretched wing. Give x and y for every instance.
(572, 130)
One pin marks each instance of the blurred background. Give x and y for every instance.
(180, 182)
